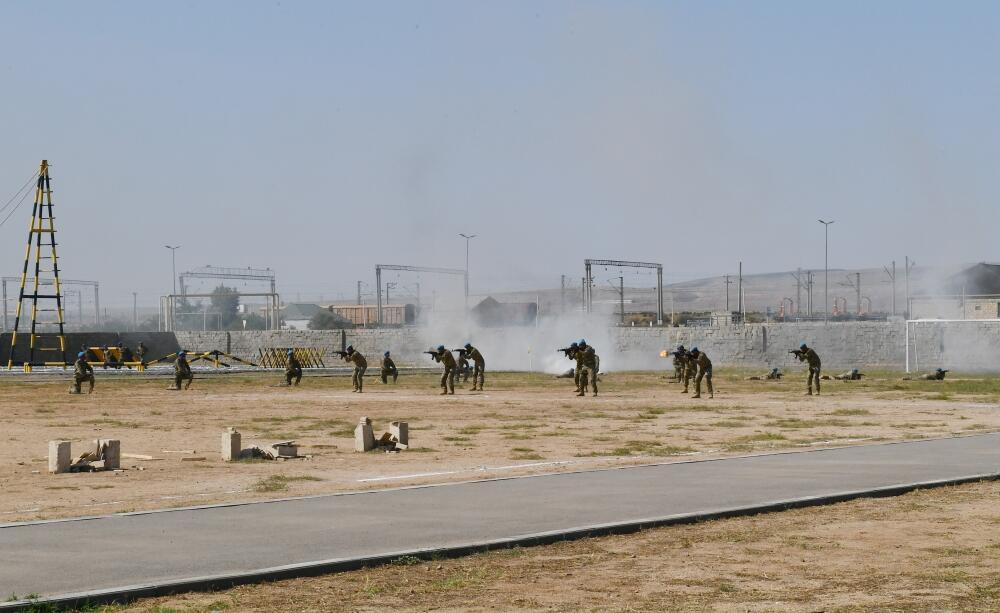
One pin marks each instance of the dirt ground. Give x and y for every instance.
(930, 550)
(521, 424)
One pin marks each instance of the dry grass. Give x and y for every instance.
(932, 550)
(528, 419)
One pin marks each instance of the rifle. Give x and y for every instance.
(342, 354)
(568, 352)
(434, 355)
(798, 353)
(461, 351)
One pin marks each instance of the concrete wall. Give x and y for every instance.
(967, 345)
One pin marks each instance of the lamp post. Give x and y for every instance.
(826, 269)
(173, 269)
(467, 237)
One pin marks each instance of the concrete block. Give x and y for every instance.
(110, 451)
(400, 430)
(364, 436)
(285, 450)
(59, 456)
(232, 444)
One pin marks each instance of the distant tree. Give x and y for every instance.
(327, 320)
(226, 302)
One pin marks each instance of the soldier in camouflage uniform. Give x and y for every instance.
(586, 365)
(679, 360)
(851, 375)
(463, 366)
(479, 374)
(140, 352)
(82, 371)
(293, 369)
(450, 366)
(360, 366)
(690, 370)
(388, 368)
(704, 366)
(809, 355)
(182, 371)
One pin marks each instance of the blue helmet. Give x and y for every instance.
(680, 348)
(386, 354)
(574, 344)
(350, 349)
(803, 347)
(440, 347)
(468, 345)
(181, 353)
(583, 342)
(82, 354)
(695, 350)
(291, 352)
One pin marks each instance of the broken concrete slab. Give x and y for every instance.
(109, 451)
(400, 431)
(60, 456)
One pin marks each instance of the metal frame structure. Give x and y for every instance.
(238, 274)
(588, 284)
(97, 296)
(42, 225)
(442, 271)
(272, 312)
(168, 312)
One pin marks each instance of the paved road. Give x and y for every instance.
(64, 557)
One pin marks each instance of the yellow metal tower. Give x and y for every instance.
(44, 341)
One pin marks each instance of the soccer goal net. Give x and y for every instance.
(952, 344)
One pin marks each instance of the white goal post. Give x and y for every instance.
(913, 334)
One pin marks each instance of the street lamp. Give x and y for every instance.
(826, 269)
(467, 237)
(173, 263)
(173, 268)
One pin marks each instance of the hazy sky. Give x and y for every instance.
(318, 138)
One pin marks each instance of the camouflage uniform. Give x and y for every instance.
(126, 355)
(293, 370)
(810, 356)
(182, 372)
(388, 367)
(360, 366)
(140, 352)
(704, 366)
(678, 366)
(82, 371)
(463, 366)
(851, 375)
(479, 374)
(586, 364)
(448, 376)
(937, 375)
(690, 370)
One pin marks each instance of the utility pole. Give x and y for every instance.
(583, 294)
(826, 269)
(892, 277)
(728, 283)
(359, 293)
(173, 302)
(388, 286)
(906, 282)
(739, 292)
(135, 318)
(621, 298)
(798, 291)
(857, 277)
(467, 237)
